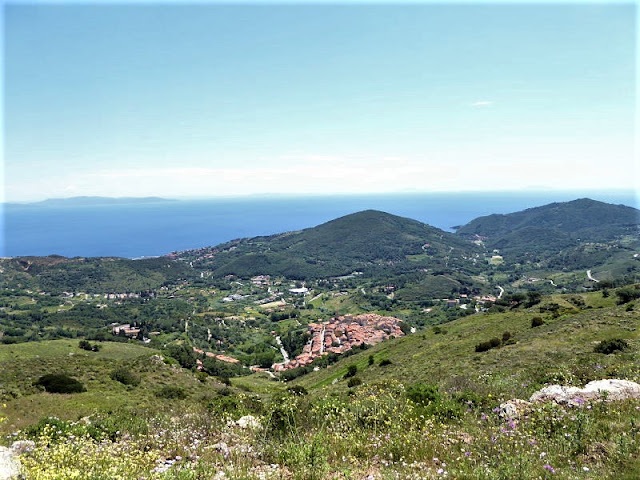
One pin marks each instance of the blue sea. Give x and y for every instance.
(143, 230)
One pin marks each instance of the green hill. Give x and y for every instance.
(56, 274)
(360, 241)
(565, 236)
(579, 218)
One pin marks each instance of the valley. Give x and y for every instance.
(371, 346)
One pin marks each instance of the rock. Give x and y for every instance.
(223, 448)
(248, 421)
(23, 446)
(514, 409)
(9, 464)
(608, 389)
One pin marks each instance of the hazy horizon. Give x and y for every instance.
(211, 99)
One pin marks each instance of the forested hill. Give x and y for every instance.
(357, 241)
(56, 274)
(579, 218)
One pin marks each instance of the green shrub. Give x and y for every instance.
(85, 345)
(171, 392)
(351, 371)
(611, 346)
(423, 394)
(484, 346)
(384, 362)
(298, 390)
(354, 382)
(506, 336)
(536, 322)
(60, 383)
(125, 377)
(627, 294)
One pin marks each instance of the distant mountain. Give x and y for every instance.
(582, 217)
(363, 240)
(90, 201)
(559, 229)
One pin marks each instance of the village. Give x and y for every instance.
(341, 334)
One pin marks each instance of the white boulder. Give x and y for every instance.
(9, 464)
(248, 421)
(608, 389)
(514, 409)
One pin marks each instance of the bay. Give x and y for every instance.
(151, 229)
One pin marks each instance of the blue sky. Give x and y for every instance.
(212, 99)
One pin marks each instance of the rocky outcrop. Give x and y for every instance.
(514, 409)
(608, 390)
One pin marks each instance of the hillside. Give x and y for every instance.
(560, 350)
(360, 241)
(584, 217)
(91, 275)
(567, 236)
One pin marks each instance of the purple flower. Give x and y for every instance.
(579, 400)
(496, 410)
(550, 468)
(483, 416)
(466, 454)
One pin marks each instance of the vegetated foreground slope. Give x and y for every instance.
(359, 241)
(561, 350)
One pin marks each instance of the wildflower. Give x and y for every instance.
(466, 454)
(549, 467)
(543, 454)
(484, 416)
(586, 469)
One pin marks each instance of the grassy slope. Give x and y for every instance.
(561, 350)
(24, 363)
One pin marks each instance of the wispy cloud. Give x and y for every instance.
(482, 103)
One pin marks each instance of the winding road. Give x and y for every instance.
(591, 278)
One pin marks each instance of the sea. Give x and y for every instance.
(136, 230)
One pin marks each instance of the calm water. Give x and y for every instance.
(156, 229)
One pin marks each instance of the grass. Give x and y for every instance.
(563, 345)
(374, 429)
(24, 363)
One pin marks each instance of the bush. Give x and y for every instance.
(60, 383)
(506, 336)
(384, 362)
(171, 392)
(611, 346)
(627, 294)
(351, 371)
(354, 382)
(484, 346)
(125, 377)
(85, 345)
(423, 394)
(536, 322)
(298, 390)
(371, 360)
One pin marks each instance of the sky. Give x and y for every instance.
(214, 99)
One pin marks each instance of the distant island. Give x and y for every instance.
(91, 201)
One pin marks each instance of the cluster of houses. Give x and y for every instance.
(341, 334)
(217, 356)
